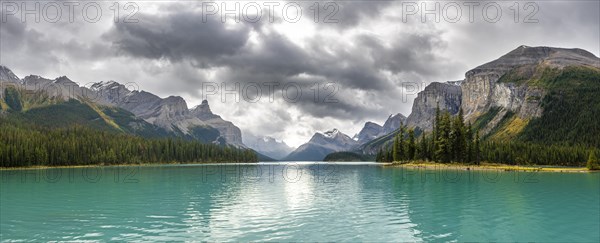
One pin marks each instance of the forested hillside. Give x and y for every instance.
(27, 145)
(454, 141)
(36, 130)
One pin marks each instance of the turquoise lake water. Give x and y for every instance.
(297, 202)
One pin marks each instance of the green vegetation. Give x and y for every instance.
(592, 163)
(13, 99)
(571, 106)
(484, 119)
(451, 141)
(26, 145)
(36, 130)
(347, 156)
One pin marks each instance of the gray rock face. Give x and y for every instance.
(170, 113)
(322, 144)
(446, 95)
(392, 123)
(61, 88)
(369, 132)
(268, 146)
(6, 75)
(231, 133)
(481, 91)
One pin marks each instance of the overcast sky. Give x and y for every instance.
(358, 53)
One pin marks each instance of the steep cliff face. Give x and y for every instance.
(482, 90)
(171, 113)
(445, 95)
(392, 123)
(231, 133)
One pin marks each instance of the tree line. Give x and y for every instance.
(22, 145)
(451, 140)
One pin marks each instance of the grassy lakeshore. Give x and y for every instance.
(488, 166)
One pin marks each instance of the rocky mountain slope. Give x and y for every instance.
(535, 94)
(512, 90)
(322, 144)
(373, 130)
(392, 123)
(369, 132)
(482, 90)
(170, 114)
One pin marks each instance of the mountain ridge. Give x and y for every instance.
(171, 113)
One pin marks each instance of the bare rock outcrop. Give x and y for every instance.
(482, 91)
(445, 95)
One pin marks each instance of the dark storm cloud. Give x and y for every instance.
(370, 54)
(177, 37)
(344, 14)
(273, 57)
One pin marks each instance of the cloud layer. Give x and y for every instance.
(349, 72)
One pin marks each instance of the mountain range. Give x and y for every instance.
(268, 146)
(112, 106)
(536, 94)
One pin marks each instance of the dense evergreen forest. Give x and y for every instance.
(26, 145)
(454, 141)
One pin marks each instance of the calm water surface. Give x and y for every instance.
(297, 202)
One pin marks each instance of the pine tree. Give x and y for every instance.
(477, 150)
(444, 143)
(469, 141)
(395, 148)
(459, 137)
(424, 149)
(411, 147)
(592, 163)
(379, 156)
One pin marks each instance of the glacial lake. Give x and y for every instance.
(297, 202)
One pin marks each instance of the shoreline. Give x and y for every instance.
(413, 165)
(41, 167)
(491, 167)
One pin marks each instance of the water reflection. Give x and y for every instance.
(302, 202)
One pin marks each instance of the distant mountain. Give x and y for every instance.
(392, 123)
(322, 144)
(268, 146)
(370, 131)
(6, 75)
(139, 109)
(373, 130)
